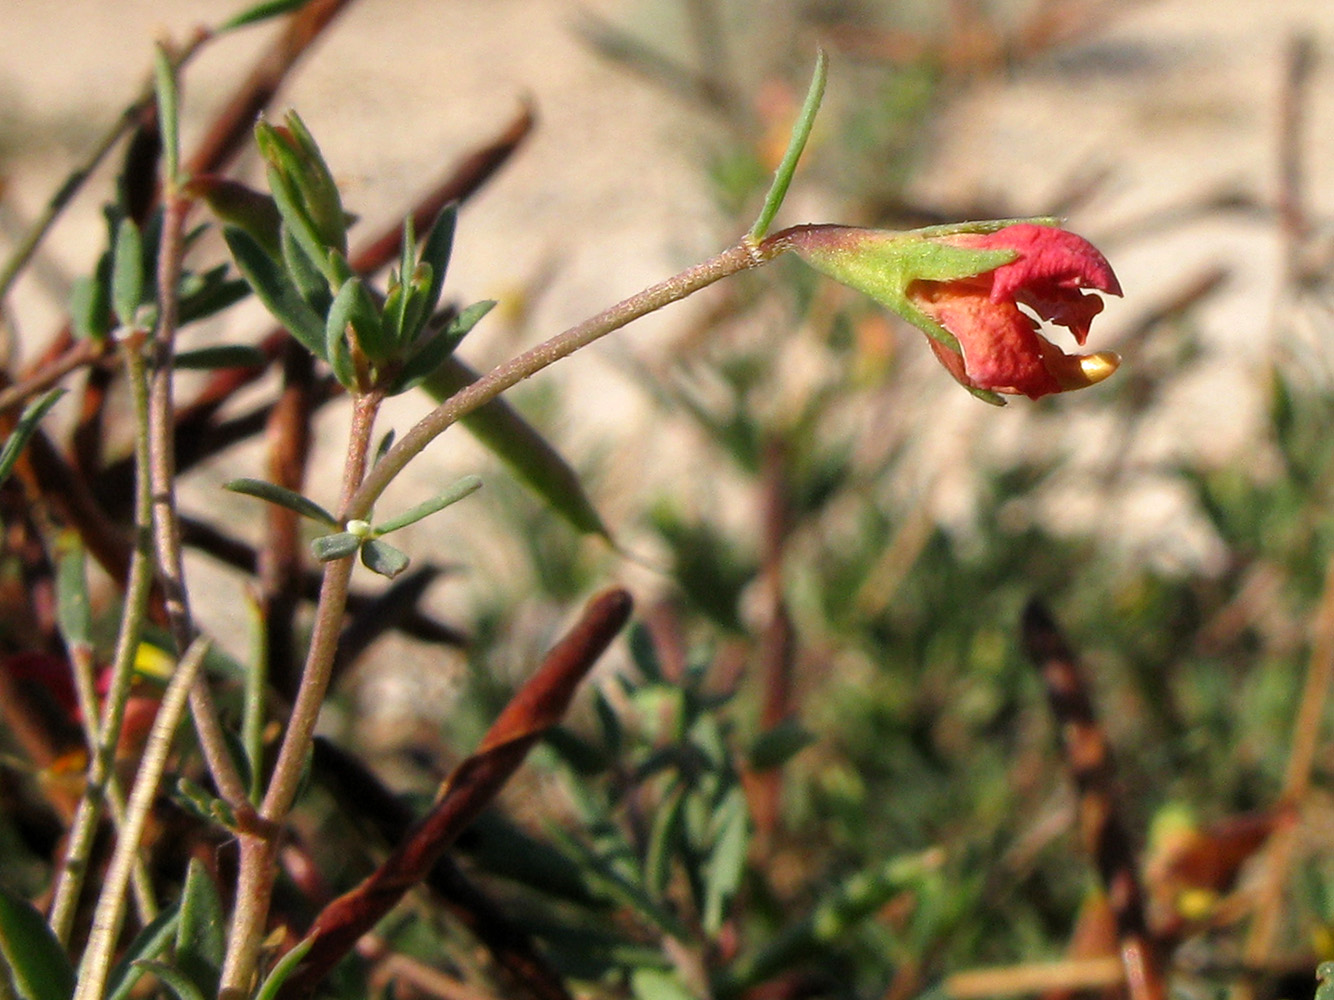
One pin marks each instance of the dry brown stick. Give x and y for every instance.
(777, 640)
(1106, 838)
(360, 793)
(534, 709)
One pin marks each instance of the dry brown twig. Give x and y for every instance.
(1104, 833)
(535, 707)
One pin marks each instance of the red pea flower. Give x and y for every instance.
(964, 285)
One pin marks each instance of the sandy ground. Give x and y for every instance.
(1174, 100)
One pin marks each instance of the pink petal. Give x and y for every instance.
(1048, 257)
(1001, 348)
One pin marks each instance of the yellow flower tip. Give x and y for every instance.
(1097, 367)
(1079, 371)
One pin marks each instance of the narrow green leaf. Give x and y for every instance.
(283, 970)
(431, 349)
(275, 290)
(386, 443)
(608, 721)
(307, 276)
(335, 334)
(801, 131)
(317, 187)
(195, 799)
(172, 978)
(644, 654)
(664, 839)
(221, 356)
(261, 12)
(168, 113)
(464, 487)
(73, 610)
(501, 429)
(776, 746)
(283, 497)
(297, 219)
(210, 297)
(37, 963)
(127, 273)
(602, 876)
(150, 942)
(727, 859)
(24, 430)
(200, 933)
(339, 545)
(90, 303)
(367, 323)
(407, 256)
(381, 557)
(436, 252)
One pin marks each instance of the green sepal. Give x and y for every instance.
(883, 264)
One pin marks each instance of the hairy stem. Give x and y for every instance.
(111, 903)
(106, 735)
(166, 527)
(743, 256)
(259, 848)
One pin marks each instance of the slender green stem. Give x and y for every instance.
(259, 849)
(252, 717)
(111, 903)
(801, 131)
(743, 256)
(104, 737)
(166, 526)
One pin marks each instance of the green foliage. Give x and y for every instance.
(36, 963)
